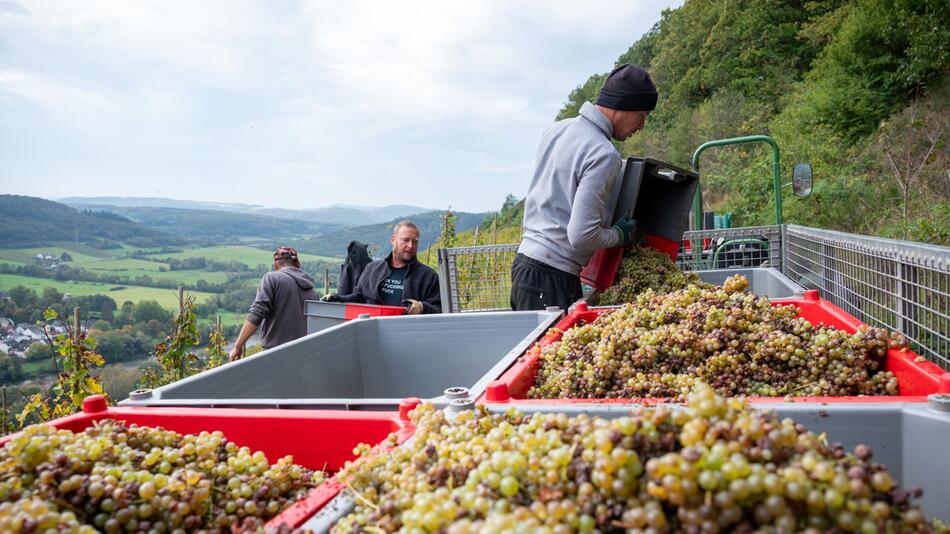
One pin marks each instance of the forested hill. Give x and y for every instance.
(29, 221)
(858, 88)
(217, 226)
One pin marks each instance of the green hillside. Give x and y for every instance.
(859, 88)
(30, 222)
(215, 226)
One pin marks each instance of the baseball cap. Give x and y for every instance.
(285, 253)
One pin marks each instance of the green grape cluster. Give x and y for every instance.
(662, 344)
(644, 268)
(38, 515)
(117, 478)
(712, 466)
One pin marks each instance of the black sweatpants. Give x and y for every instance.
(536, 285)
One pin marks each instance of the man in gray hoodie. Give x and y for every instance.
(566, 216)
(278, 305)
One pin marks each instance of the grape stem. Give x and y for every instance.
(803, 386)
(359, 496)
(571, 456)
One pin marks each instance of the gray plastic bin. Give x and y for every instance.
(909, 438)
(365, 364)
(763, 281)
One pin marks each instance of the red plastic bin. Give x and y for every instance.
(916, 377)
(317, 439)
(601, 271)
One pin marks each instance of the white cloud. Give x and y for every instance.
(336, 100)
(54, 96)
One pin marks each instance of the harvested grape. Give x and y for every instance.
(712, 466)
(662, 344)
(645, 268)
(113, 478)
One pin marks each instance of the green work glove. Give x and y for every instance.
(626, 229)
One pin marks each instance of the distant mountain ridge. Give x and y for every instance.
(377, 235)
(310, 230)
(154, 202)
(337, 214)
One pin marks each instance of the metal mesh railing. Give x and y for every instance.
(752, 246)
(896, 284)
(479, 278)
(476, 278)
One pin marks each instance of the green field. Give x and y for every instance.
(133, 267)
(26, 255)
(31, 369)
(229, 317)
(168, 298)
(249, 256)
(117, 262)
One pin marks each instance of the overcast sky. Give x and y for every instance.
(295, 104)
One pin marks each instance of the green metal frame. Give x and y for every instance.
(738, 241)
(776, 173)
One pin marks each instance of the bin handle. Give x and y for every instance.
(670, 175)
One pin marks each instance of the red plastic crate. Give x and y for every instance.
(322, 315)
(352, 311)
(349, 310)
(916, 377)
(601, 271)
(317, 439)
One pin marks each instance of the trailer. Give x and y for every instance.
(361, 370)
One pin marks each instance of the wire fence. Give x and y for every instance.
(752, 246)
(476, 278)
(900, 285)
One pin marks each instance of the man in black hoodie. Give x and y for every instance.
(399, 279)
(278, 305)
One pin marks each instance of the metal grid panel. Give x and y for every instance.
(751, 246)
(479, 278)
(476, 278)
(896, 284)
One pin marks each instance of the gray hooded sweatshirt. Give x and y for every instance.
(279, 305)
(566, 217)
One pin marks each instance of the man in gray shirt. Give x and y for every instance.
(278, 304)
(566, 217)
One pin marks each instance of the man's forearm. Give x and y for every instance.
(246, 332)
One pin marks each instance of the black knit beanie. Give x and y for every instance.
(628, 88)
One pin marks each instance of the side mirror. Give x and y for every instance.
(802, 179)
